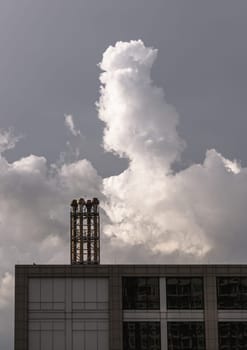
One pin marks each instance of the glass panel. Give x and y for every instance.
(232, 335)
(184, 292)
(141, 336)
(186, 336)
(232, 293)
(243, 287)
(141, 293)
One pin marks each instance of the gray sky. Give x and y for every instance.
(50, 51)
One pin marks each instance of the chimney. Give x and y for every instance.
(84, 232)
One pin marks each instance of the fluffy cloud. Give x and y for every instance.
(150, 213)
(194, 214)
(69, 123)
(34, 210)
(6, 289)
(7, 139)
(140, 124)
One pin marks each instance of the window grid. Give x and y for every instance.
(186, 335)
(141, 336)
(184, 293)
(232, 335)
(141, 293)
(232, 293)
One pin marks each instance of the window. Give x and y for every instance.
(232, 335)
(141, 293)
(186, 336)
(184, 293)
(232, 292)
(141, 336)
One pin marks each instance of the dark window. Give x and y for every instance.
(141, 293)
(141, 335)
(232, 335)
(186, 336)
(232, 292)
(184, 292)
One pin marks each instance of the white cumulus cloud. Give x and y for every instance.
(69, 122)
(193, 214)
(150, 213)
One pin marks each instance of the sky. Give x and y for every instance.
(139, 103)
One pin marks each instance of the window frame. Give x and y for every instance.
(135, 303)
(182, 325)
(147, 331)
(231, 325)
(190, 303)
(241, 296)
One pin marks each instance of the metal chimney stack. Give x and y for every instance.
(85, 231)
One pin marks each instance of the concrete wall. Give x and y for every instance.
(68, 314)
(80, 307)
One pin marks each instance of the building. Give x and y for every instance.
(88, 306)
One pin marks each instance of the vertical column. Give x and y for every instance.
(21, 309)
(68, 314)
(116, 313)
(163, 314)
(73, 228)
(210, 312)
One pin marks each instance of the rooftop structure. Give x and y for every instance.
(85, 232)
(131, 307)
(88, 306)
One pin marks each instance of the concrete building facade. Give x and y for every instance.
(131, 307)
